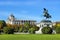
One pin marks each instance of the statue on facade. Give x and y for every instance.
(46, 14)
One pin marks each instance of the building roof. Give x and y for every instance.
(57, 22)
(25, 20)
(46, 21)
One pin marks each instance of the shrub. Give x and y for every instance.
(57, 30)
(47, 30)
(8, 30)
(0, 31)
(21, 29)
(25, 30)
(16, 29)
(32, 30)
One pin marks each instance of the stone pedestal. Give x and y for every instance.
(43, 23)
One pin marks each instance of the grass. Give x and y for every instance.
(29, 37)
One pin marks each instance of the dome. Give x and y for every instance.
(46, 21)
(11, 15)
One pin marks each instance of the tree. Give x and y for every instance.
(57, 29)
(8, 30)
(26, 26)
(32, 30)
(2, 24)
(21, 29)
(35, 27)
(47, 30)
(15, 27)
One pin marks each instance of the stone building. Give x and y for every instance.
(57, 23)
(12, 20)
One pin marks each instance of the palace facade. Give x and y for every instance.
(12, 20)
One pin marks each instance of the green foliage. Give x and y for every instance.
(57, 30)
(25, 29)
(8, 30)
(16, 29)
(0, 31)
(2, 24)
(21, 29)
(32, 30)
(35, 27)
(27, 25)
(29, 28)
(47, 30)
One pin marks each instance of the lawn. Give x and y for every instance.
(29, 37)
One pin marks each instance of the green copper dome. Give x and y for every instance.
(46, 21)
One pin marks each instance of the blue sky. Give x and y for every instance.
(29, 9)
